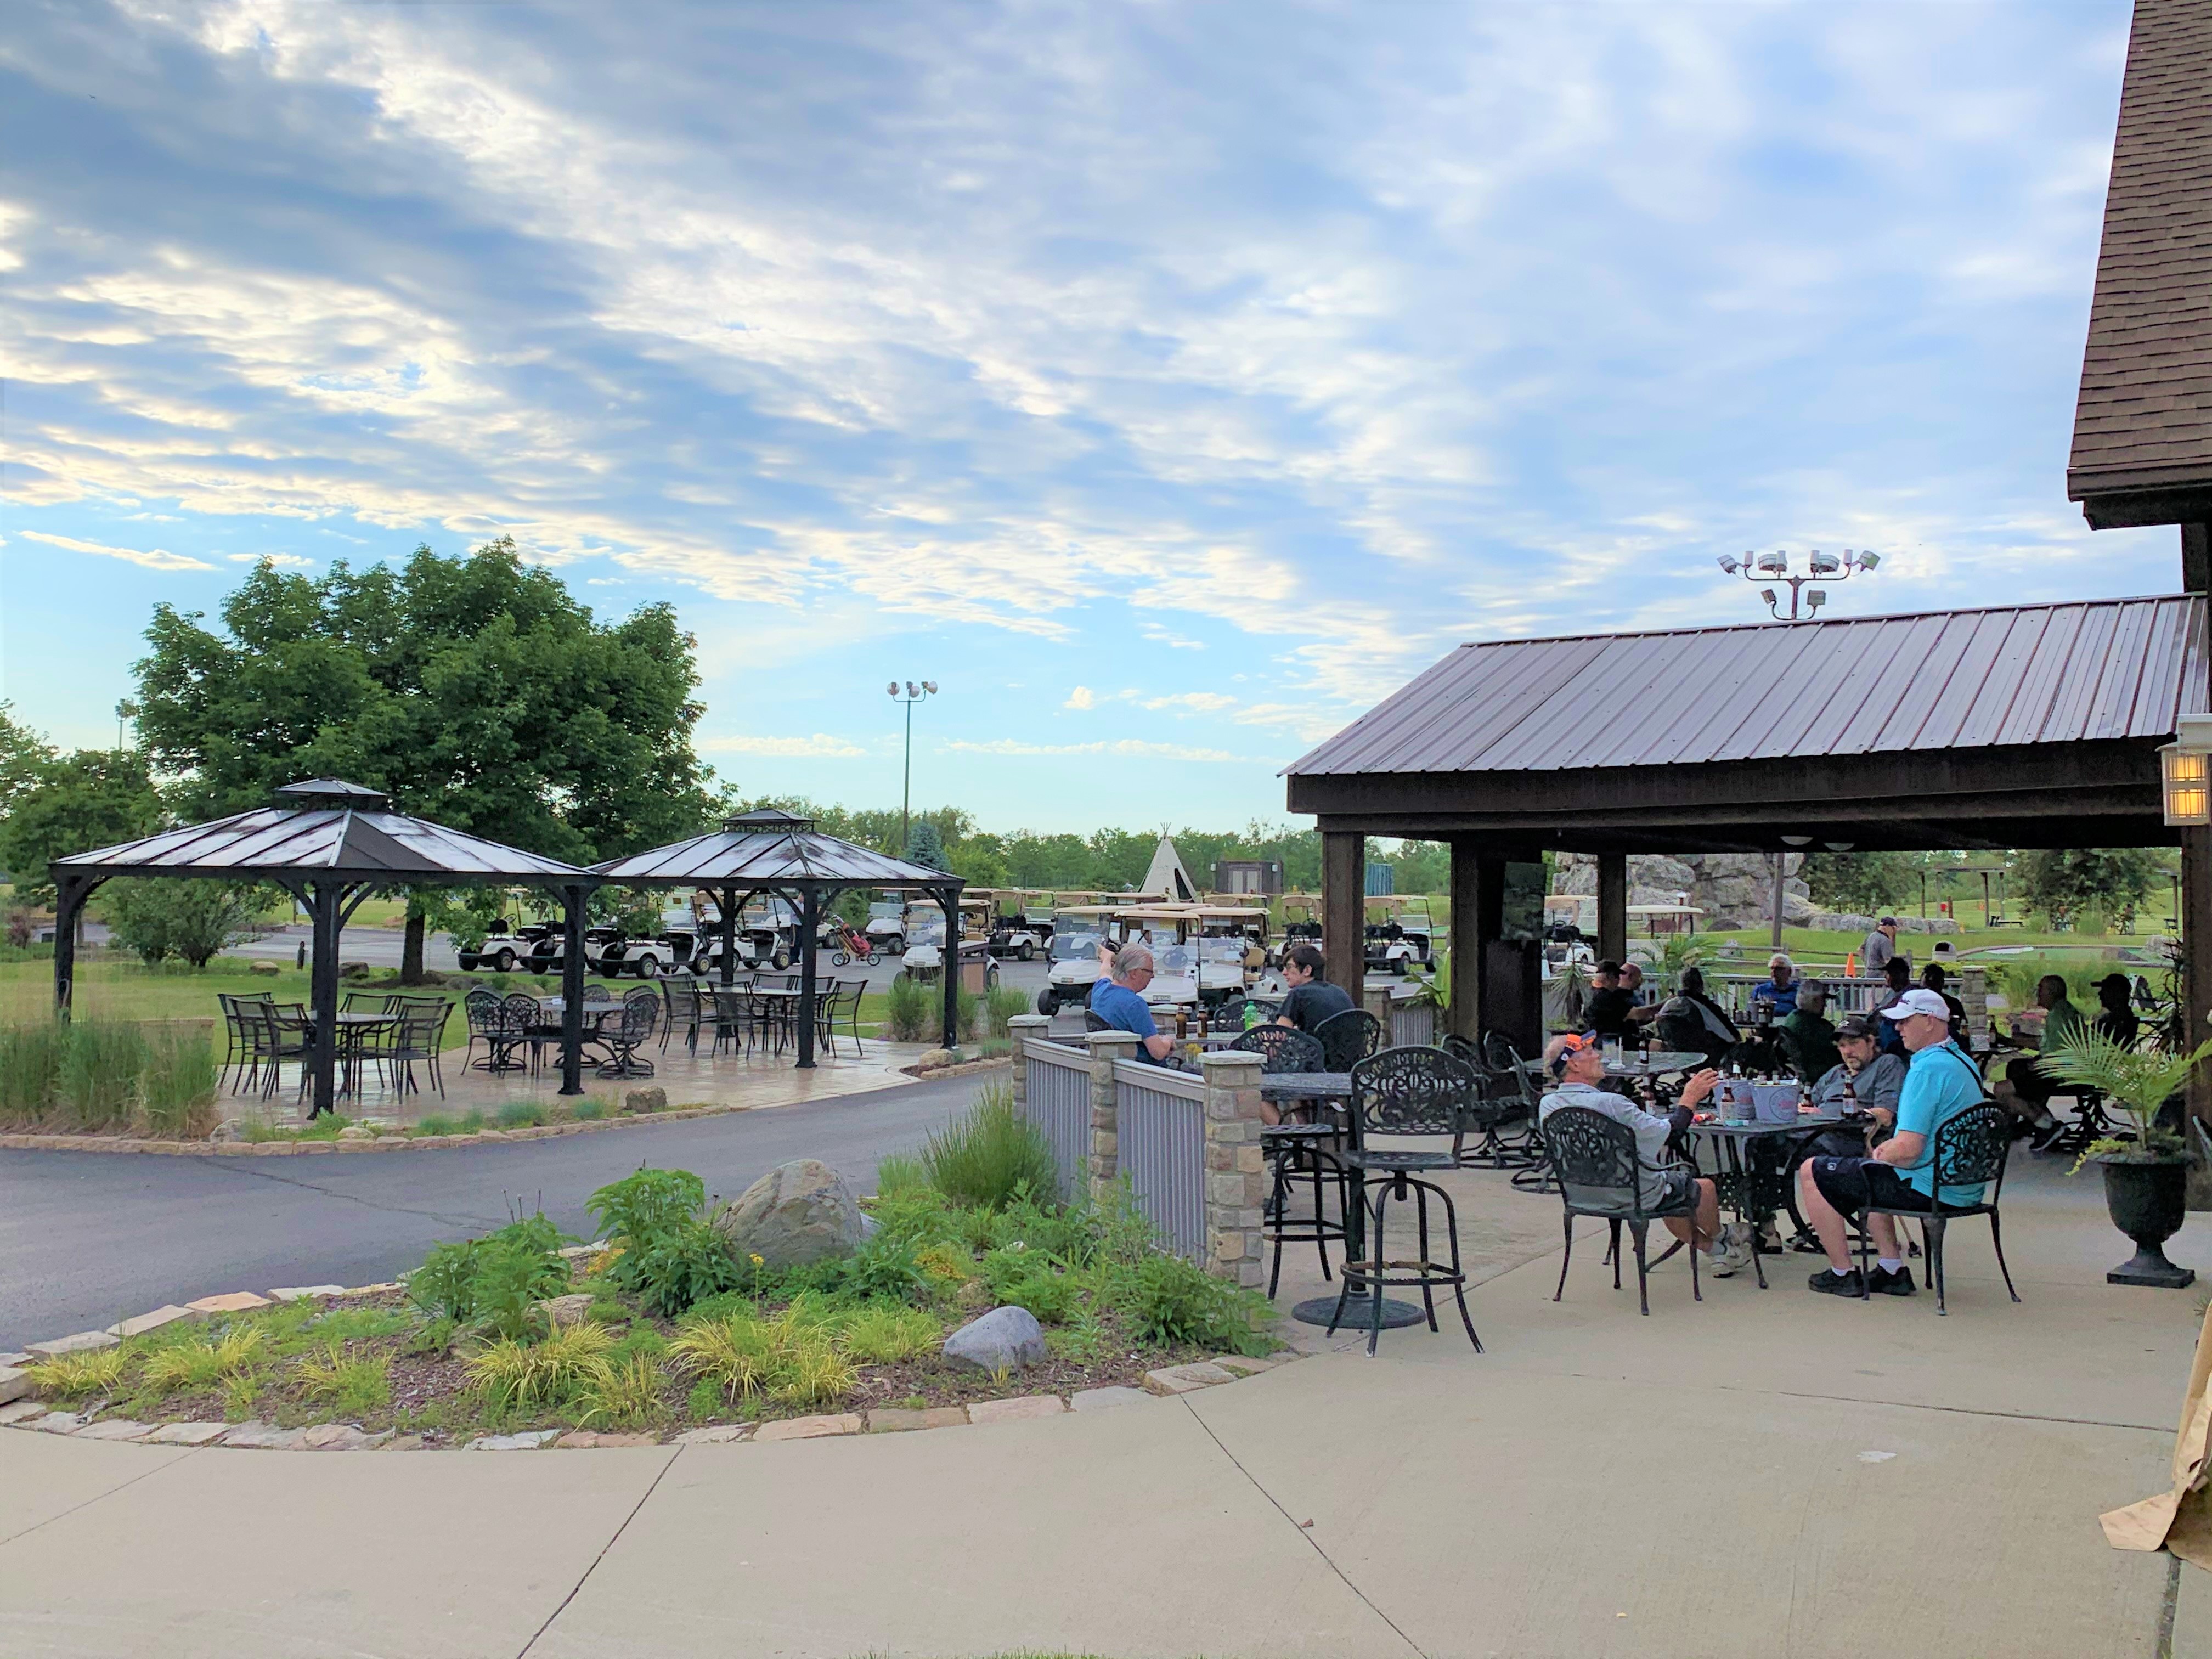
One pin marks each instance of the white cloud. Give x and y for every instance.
(821, 744)
(153, 558)
(284, 561)
(1194, 703)
(1081, 697)
(1132, 747)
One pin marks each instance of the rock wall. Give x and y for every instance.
(1734, 890)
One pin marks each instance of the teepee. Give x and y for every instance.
(1167, 878)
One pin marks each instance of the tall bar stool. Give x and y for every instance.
(1298, 1154)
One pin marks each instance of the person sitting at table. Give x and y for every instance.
(1875, 1078)
(1933, 978)
(2025, 1090)
(1312, 999)
(1807, 1037)
(1576, 1067)
(1118, 999)
(1632, 980)
(1690, 1022)
(1777, 994)
(1940, 1081)
(1609, 1007)
(1896, 977)
(2116, 1020)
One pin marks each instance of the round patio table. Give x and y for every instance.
(1732, 1140)
(1321, 1311)
(1660, 1062)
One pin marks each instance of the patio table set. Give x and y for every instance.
(393, 1034)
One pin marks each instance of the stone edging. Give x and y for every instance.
(965, 1068)
(379, 1143)
(16, 1411)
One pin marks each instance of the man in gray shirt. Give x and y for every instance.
(1880, 946)
(1876, 1080)
(1577, 1067)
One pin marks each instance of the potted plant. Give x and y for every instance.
(2146, 1176)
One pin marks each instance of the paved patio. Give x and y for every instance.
(1765, 1473)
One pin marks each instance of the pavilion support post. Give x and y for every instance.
(571, 990)
(71, 890)
(1463, 1018)
(950, 898)
(809, 919)
(2196, 558)
(2196, 930)
(325, 911)
(1781, 863)
(1508, 972)
(1613, 906)
(1343, 908)
(728, 906)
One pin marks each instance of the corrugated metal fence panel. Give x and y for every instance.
(1057, 1099)
(1163, 1152)
(1413, 1025)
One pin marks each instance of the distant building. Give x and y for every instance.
(1263, 877)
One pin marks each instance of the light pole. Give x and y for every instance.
(1823, 567)
(915, 693)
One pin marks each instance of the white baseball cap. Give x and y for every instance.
(1919, 1002)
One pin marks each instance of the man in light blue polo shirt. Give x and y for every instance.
(1940, 1082)
(1119, 1001)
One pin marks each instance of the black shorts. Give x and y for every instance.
(1852, 1184)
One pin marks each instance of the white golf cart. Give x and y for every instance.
(1079, 934)
(925, 947)
(1011, 930)
(886, 926)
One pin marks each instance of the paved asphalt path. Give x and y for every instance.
(87, 1239)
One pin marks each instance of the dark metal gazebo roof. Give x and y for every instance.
(338, 832)
(769, 848)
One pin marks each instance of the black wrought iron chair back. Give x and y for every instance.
(1283, 1048)
(1600, 1172)
(487, 1021)
(1402, 1091)
(680, 995)
(522, 1025)
(1502, 1109)
(595, 992)
(1094, 1022)
(623, 1035)
(1300, 1155)
(1971, 1151)
(1348, 1037)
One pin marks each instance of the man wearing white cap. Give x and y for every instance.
(1939, 1083)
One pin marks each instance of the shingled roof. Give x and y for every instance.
(2142, 427)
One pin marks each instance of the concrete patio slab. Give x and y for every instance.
(45, 1476)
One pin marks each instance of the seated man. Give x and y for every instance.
(2116, 1019)
(1643, 1009)
(1118, 999)
(1609, 1007)
(1690, 1022)
(1577, 1066)
(1896, 977)
(1933, 978)
(1775, 994)
(1312, 999)
(1876, 1080)
(2025, 1090)
(1939, 1083)
(1807, 1036)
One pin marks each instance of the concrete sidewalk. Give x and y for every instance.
(1768, 1474)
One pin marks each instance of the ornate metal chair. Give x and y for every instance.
(1297, 1152)
(1971, 1151)
(1601, 1173)
(1403, 1091)
(1502, 1110)
(1348, 1037)
(622, 1035)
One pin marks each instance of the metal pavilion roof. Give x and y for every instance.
(770, 848)
(356, 838)
(1944, 680)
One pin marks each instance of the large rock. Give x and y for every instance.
(798, 1212)
(1003, 1340)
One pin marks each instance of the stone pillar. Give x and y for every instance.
(1974, 995)
(1613, 906)
(1235, 1168)
(1375, 1000)
(1106, 1048)
(1020, 1030)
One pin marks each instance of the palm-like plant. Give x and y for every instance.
(2138, 1081)
(1676, 952)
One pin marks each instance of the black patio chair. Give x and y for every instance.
(1347, 1038)
(415, 1039)
(595, 992)
(487, 1019)
(1601, 1173)
(244, 1031)
(523, 1026)
(366, 1002)
(1096, 1022)
(1297, 1153)
(731, 1019)
(680, 1006)
(1502, 1101)
(1971, 1150)
(1403, 1091)
(840, 1000)
(285, 1034)
(623, 1035)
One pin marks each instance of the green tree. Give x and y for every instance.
(1867, 882)
(189, 920)
(24, 758)
(980, 861)
(95, 798)
(476, 691)
(924, 845)
(2065, 883)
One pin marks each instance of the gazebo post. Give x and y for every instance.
(810, 914)
(729, 920)
(950, 898)
(325, 900)
(70, 892)
(572, 989)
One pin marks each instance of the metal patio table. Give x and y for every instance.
(1739, 1184)
(1322, 1310)
(1660, 1062)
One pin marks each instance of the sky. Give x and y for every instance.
(1166, 382)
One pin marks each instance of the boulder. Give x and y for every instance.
(1003, 1340)
(353, 970)
(561, 1311)
(930, 1060)
(645, 1100)
(269, 970)
(798, 1212)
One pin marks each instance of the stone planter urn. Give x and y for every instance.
(2146, 1200)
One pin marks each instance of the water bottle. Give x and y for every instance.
(1251, 1014)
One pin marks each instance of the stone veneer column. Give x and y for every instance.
(1106, 1048)
(1974, 997)
(1020, 1028)
(1235, 1168)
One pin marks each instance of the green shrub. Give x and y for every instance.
(436, 1124)
(493, 1281)
(190, 920)
(884, 1268)
(1002, 1005)
(349, 1388)
(967, 1008)
(569, 1363)
(589, 1110)
(520, 1115)
(1029, 1278)
(177, 1091)
(670, 1258)
(1170, 1301)
(906, 1009)
(897, 1173)
(101, 1070)
(990, 1154)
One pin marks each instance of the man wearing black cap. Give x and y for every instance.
(1880, 946)
(1872, 1081)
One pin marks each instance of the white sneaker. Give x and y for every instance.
(1733, 1255)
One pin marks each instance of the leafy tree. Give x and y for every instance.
(980, 861)
(190, 920)
(95, 798)
(925, 845)
(476, 691)
(1865, 883)
(2064, 883)
(24, 758)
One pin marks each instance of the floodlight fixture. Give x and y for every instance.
(1825, 564)
(1840, 846)
(1867, 560)
(1773, 564)
(1730, 563)
(1797, 841)
(1815, 599)
(1767, 594)
(1820, 568)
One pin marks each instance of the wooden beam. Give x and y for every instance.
(1464, 1018)
(2196, 557)
(1344, 909)
(1612, 905)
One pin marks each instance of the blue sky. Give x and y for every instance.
(1168, 382)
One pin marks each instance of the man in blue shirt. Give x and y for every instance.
(1778, 990)
(1119, 1001)
(1939, 1083)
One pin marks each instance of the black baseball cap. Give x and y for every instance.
(1856, 1025)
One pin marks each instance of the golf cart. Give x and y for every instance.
(1231, 943)
(1301, 926)
(1078, 935)
(1010, 930)
(925, 948)
(1400, 942)
(505, 947)
(886, 926)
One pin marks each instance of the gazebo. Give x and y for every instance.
(330, 844)
(779, 853)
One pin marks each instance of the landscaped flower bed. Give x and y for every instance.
(667, 1329)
